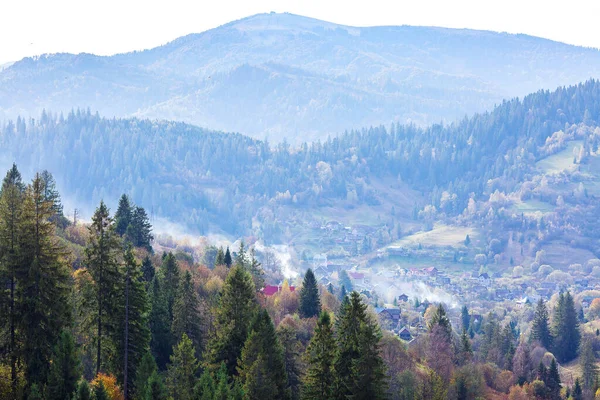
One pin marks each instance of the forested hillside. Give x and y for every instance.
(293, 77)
(213, 181)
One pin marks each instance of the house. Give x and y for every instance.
(523, 302)
(357, 277)
(403, 297)
(270, 290)
(405, 334)
(502, 294)
(389, 314)
(484, 279)
(443, 280)
(430, 271)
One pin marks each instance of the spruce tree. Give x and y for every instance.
(223, 390)
(101, 260)
(588, 365)
(237, 305)
(181, 374)
(220, 258)
(258, 275)
(350, 319)
(11, 206)
(441, 319)
(44, 278)
(148, 270)
(566, 329)
(368, 370)
(205, 388)
(552, 380)
(139, 231)
(52, 196)
(345, 281)
(161, 340)
(83, 391)
(577, 390)
(227, 258)
(288, 337)
(319, 377)
(64, 370)
(186, 312)
(170, 275)
(465, 318)
(135, 340)
(123, 215)
(310, 303)
(540, 328)
(261, 366)
(156, 388)
(144, 371)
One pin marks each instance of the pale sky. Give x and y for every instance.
(32, 27)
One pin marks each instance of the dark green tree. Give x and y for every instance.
(100, 392)
(368, 370)
(181, 374)
(345, 281)
(320, 376)
(186, 312)
(440, 318)
(205, 388)
(148, 271)
(465, 318)
(566, 329)
(102, 261)
(577, 390)
(123, 215)
(351, 317)
(170, 278)
(288, 337)
(220, 257)
(160, 325)
(135, 340)
(11, 207)
(552, 380)
(83, 391)
(223, 389)
(258, 275)
(64, 370)
(144, 371)
(52, 196)
(237, 305)
(310, 302)
(261, 367)
(227, 258)
(540, 328)
(588, 365)
(44, 278)
(139, 231)
(156, 388)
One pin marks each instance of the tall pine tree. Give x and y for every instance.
(540, 328)
(237, 305)
(123, 215)
(186, 312)
(310, 303)
(181, 375)
(319, 356)
(566, 329)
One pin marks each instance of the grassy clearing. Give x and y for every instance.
(441, 235)
(532, 206)
(561, 161)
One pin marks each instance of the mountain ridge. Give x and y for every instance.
(305, 79)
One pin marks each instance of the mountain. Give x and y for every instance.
(287, 76)
(527, 170)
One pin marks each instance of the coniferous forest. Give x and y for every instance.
(128, 323)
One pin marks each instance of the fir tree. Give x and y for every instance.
(156, 388)
(588, 365)
(144, 371)
(223, 390)
(64, 370)
(227, 258)
(291, 345)
(368, 370)
(148, 271)
(319, 377)
(123, 215)
(577, 390)
(350, 319)
(181, 374)
(310, 303)
(205, 389)
(441, 319)
(100, 392)
(343, 293)
(261, 366)
(101, 256)
(160, 325)
(170, 276)
(566, 329)
(552, 380)
(466, 352)
(139, 231)
(52, 196)
(83, 391)
(135, 340)
(465, 318)
(237, 304)
(44, 279)
(345, 281)
(540, 328)
(186, 312)
(258, 275)
(11, 206)
(220, 257)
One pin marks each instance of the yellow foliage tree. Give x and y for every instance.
(110, 384)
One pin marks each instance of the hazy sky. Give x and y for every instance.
(31, 27)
